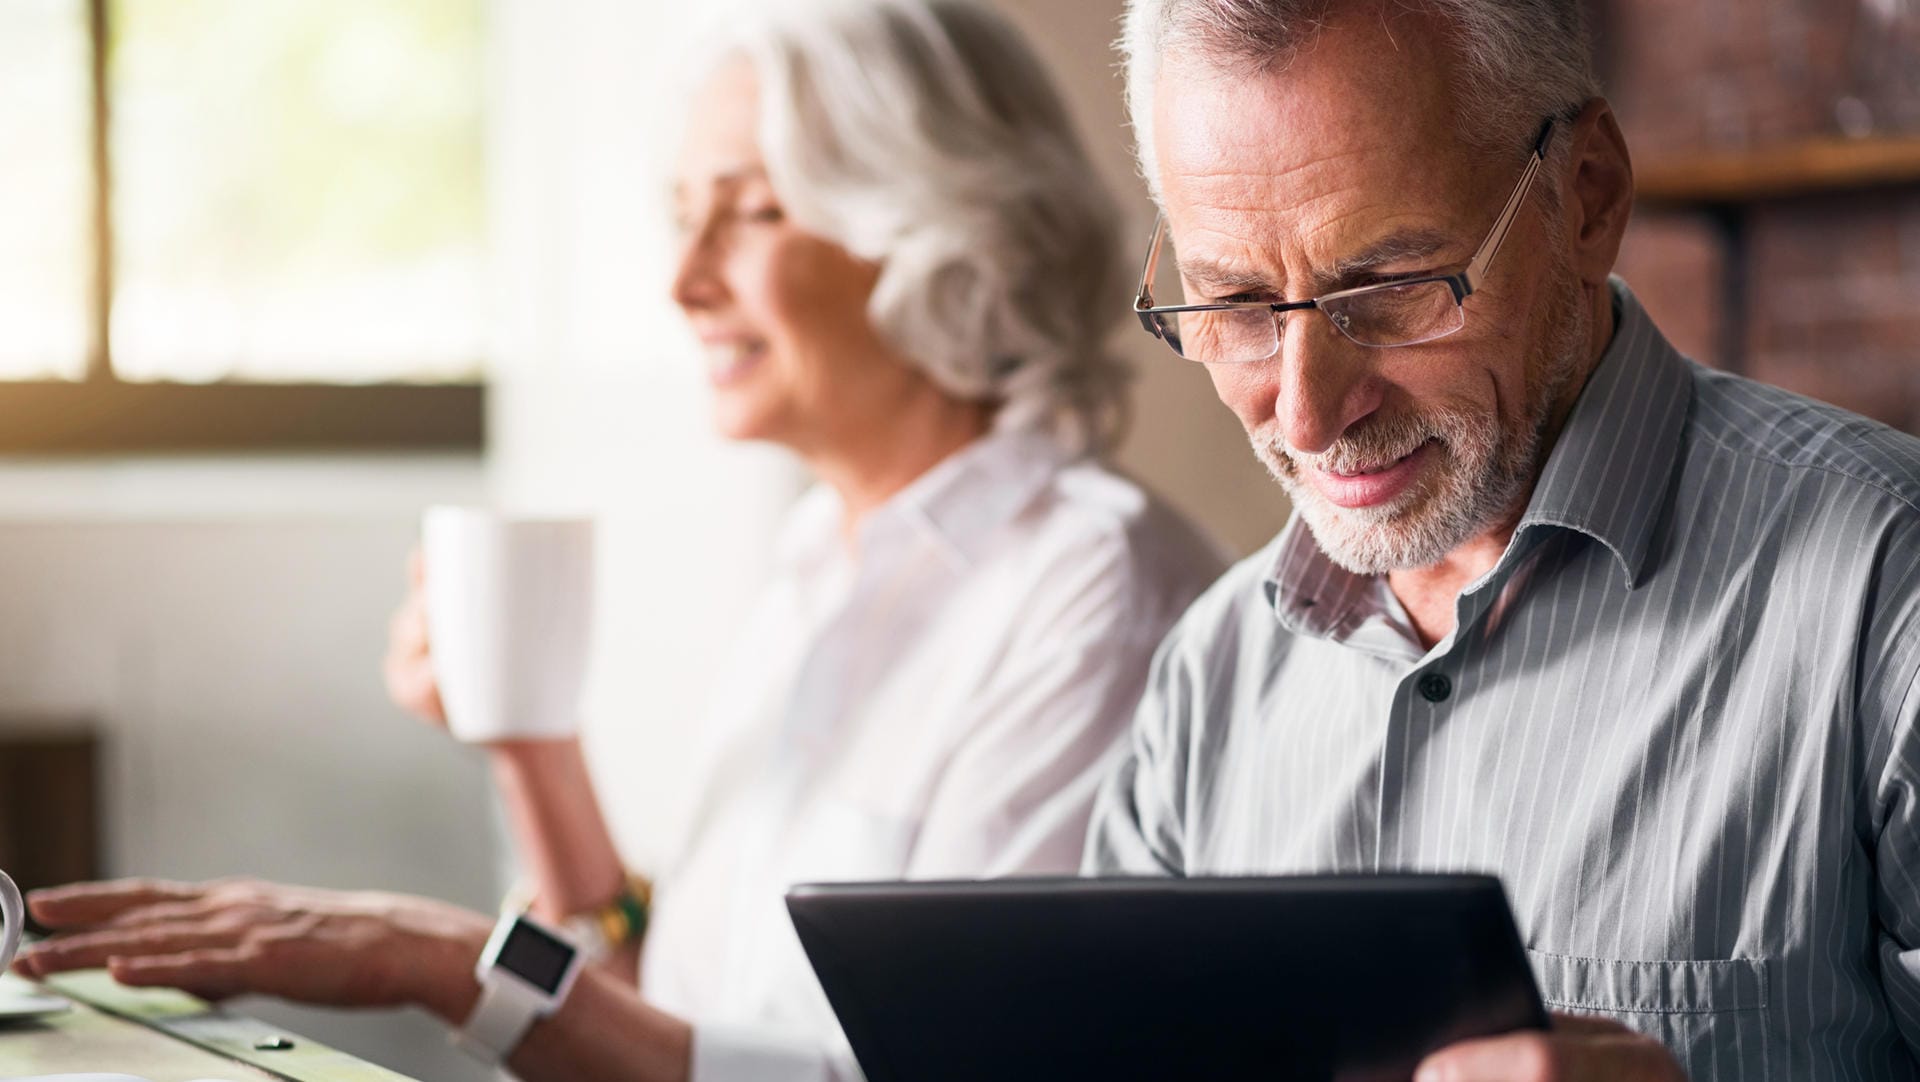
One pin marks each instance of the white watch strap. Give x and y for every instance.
(505, 1012)
(586, 934)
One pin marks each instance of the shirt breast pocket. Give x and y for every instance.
(1606, 986)
(1690, 1006)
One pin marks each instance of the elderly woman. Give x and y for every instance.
(902, 268)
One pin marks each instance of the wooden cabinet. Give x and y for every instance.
(50, 792)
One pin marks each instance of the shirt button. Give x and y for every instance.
(1435, 687)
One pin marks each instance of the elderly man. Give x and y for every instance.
(1639, 637)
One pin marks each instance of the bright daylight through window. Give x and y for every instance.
(44, 233)
(296, 190)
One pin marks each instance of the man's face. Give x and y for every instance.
(1342, 169)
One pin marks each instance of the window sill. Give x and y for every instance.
(83, 418)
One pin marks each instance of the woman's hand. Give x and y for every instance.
(232, 937)
(409, 661)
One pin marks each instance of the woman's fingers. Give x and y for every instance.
(406, 638)
(234, 936)
(411, 686)
(92, 950)
(167, 912)
(407, 631)
(408, 666)
(213, 973)
(84, 904)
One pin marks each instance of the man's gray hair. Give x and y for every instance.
(925, 135)
(1520, 60)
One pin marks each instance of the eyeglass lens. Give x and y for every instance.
(1394, 315)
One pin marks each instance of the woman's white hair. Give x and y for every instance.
(1520, 60)
(925, 135)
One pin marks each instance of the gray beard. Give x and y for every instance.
(1485, 468)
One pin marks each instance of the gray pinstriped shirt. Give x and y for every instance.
(1679, 722)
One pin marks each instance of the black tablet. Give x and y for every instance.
(1165, 980)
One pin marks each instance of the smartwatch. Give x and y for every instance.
(597, 932)
(525, 974)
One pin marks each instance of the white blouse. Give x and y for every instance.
(941, 704)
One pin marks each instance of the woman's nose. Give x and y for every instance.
(697, 285)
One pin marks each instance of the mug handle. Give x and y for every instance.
(13, 909)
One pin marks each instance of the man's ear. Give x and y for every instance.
(1599, 192)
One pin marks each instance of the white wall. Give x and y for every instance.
(220, 623)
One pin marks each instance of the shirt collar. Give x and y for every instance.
(1312, 595)
(957, 506)
(1608, 477)
(1613, 465)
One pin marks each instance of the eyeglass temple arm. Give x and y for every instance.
(1477, 269)
(1144, 299)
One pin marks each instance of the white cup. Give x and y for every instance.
(509, 621)
(13, 910)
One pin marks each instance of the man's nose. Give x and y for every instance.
(1326, 384)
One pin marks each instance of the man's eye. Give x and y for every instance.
(765, 215)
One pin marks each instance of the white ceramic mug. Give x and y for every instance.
(13, 910)
(509, 621)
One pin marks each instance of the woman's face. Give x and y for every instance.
(780, 313)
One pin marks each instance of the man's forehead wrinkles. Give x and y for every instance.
(1264, 170)
(1262, 208)
(1211, 236)
(1247, 217)
(1299, 193)
(1226, 249)
(1223, 184)
(1341, 228)
(1218, 257)
(1218, 262)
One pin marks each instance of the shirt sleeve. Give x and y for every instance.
(1897, 868)
(1137, 826)
(1143, 817)
(1890, 700)
(1047, 727)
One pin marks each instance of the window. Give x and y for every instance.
(241, 223)
(44, 266)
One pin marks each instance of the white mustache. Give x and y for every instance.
(1368, 451)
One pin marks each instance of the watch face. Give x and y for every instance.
(535, 957)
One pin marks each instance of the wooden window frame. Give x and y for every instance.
(103, 414)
